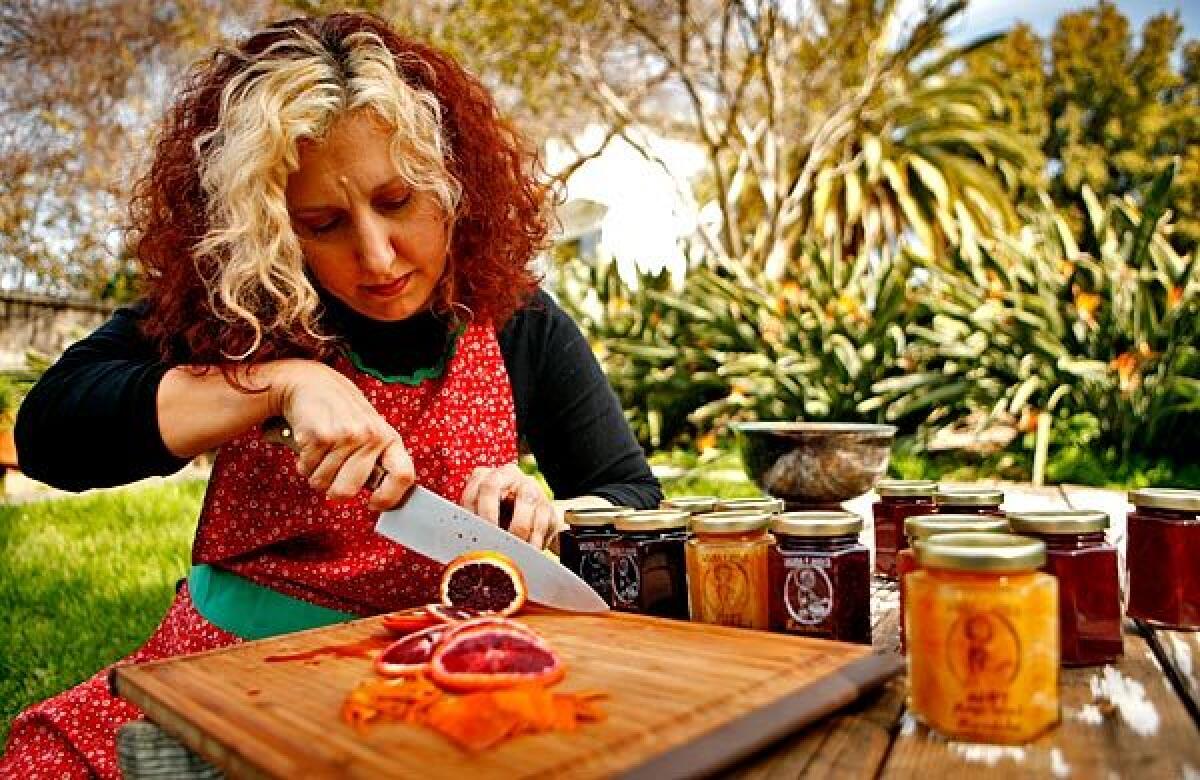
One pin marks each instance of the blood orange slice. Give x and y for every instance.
(489, 620)
(411, 654)
(485, 581)
(451, 614)
(494, 656)
(406, 621)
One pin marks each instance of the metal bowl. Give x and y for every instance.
(807, 463)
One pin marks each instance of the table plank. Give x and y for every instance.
(1119, 720)
(855, 742)
(1179, 653)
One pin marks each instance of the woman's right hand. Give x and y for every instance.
(339, 435)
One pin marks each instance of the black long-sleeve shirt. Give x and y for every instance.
(91, 420)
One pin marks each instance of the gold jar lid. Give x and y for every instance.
(693, 504)
(1066, 521)
(981, 552)
(968, 496)
(730, 522)
(816, 523)
(761, 504)
(595, 516)
(1177, 499)
(652, 520)
(925, 526)
(907, 488)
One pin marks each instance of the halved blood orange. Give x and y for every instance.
(493, 656)
(485, 581)
(411, 654)
(406, 621)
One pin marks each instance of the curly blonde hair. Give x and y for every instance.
(294, 92)
(222, 268)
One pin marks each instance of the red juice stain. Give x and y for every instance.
(361, 648)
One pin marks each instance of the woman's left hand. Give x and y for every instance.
(534, 518)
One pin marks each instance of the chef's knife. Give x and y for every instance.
(442, 530)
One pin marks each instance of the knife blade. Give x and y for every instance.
(442, 530)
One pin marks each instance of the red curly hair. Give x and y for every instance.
(500, 223)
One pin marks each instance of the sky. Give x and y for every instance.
(985, 16)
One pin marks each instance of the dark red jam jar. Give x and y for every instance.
(1163, 556)
(649, 569)
(969, 501)
(819, 577)
(921, 527)
(1089, 591)
(583, 547)
(899, 499)
(693, 505)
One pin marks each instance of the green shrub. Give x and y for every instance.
(1033, 324)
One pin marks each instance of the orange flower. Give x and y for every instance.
(1029, 420)
(1128, 366)
(706, 441)
(789, 295)
(845, 306)
(1174, 296)
(1086, 304)
(995, 286)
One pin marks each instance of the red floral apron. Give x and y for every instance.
(262, 521)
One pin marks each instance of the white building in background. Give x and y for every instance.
(642, 215)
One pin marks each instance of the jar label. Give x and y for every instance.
(595, 568)
(807, 591)
(626, 579)
(731, 588)
(984, 650)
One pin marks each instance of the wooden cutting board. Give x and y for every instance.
(684, 698)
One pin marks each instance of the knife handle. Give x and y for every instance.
(277, 430)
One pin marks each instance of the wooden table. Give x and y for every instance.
(1139, 718)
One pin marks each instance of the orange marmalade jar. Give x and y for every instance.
(727, 569)
(921, 527)
(983, 637)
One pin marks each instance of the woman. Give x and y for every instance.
(336, 229)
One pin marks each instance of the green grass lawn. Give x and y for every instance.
(83, 582)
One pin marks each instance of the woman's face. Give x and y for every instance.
(369, 238)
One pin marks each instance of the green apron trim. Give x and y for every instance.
(250, 611)
(419, 375)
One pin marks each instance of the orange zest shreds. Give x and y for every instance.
(474, 721)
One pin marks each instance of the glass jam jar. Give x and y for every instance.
(1163, 557)
(820, 576)
(898, 499)
(693, 505)
(727, 569)
(983, 638)
(921, 527)
(649, 574)
(1089, 593)
(583, 546)
(969, 501)
(760, 504)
